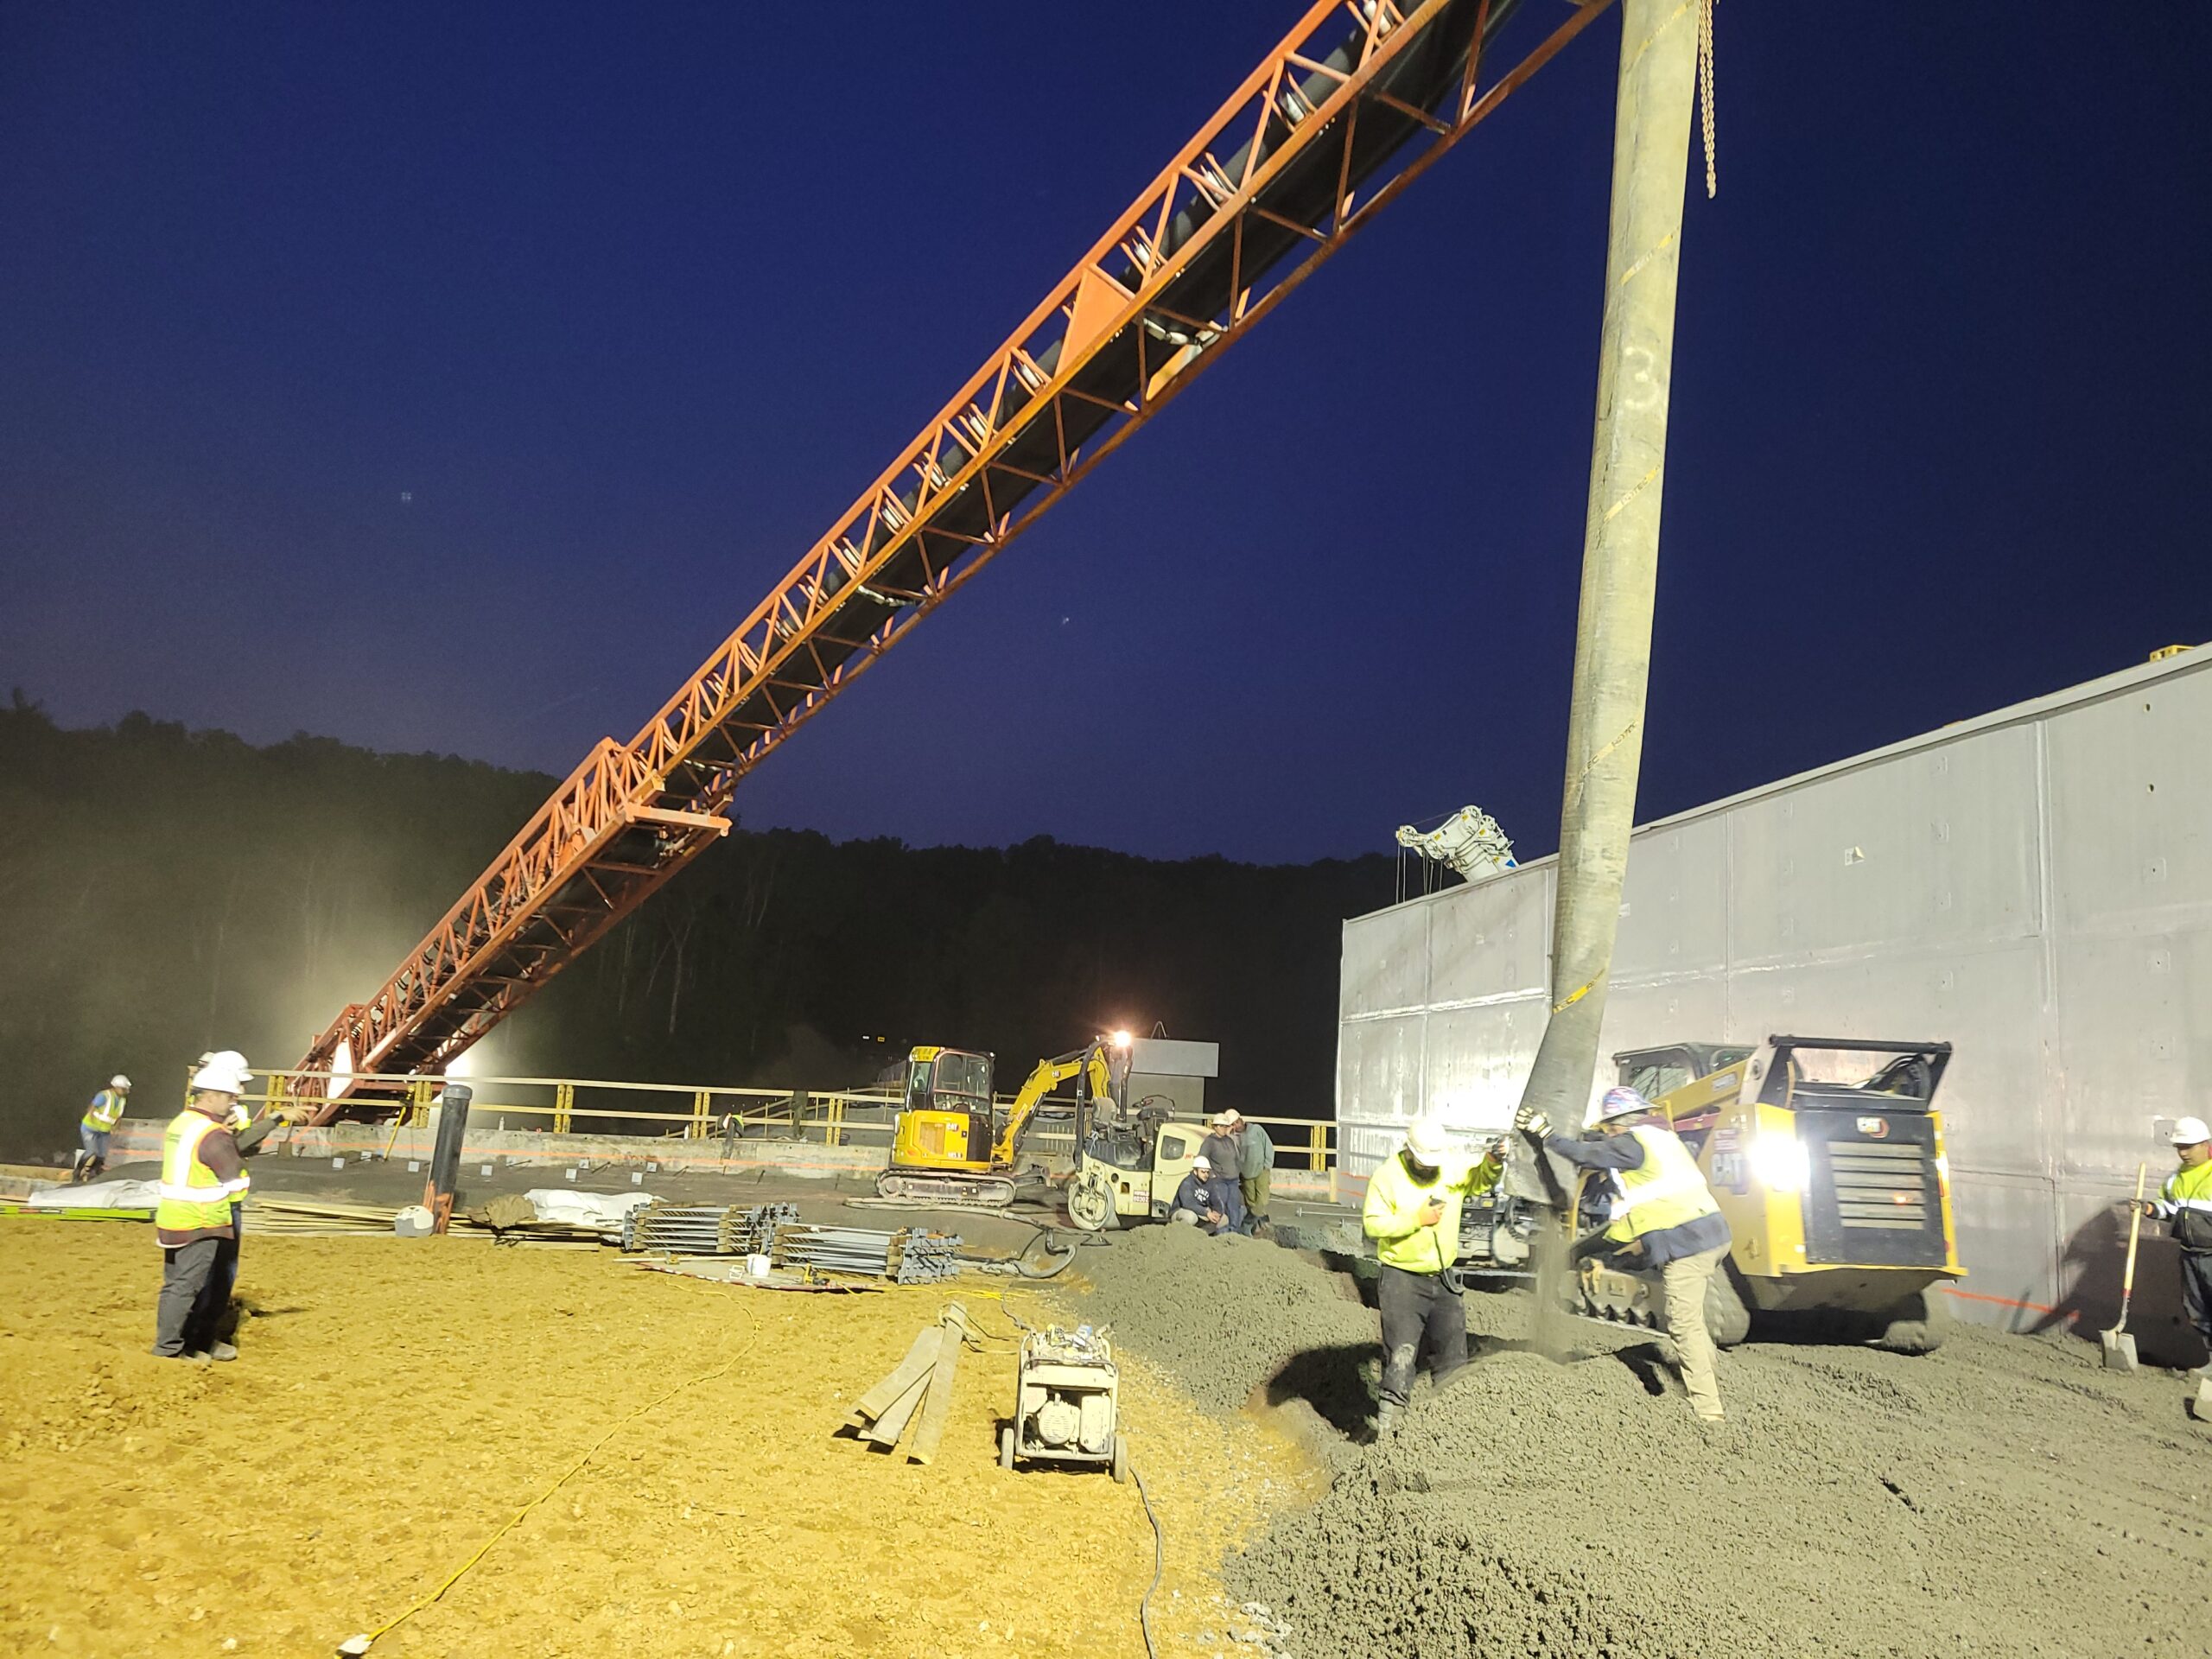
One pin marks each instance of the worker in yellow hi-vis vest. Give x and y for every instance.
(96, 1126)
(201, 1173)
(1663, 1216)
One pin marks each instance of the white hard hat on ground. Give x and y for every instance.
(118, 1081)
(1426, 1140)
(1202, 1164)
(2190, 1131)
(224, 1071)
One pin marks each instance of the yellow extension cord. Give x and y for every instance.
(361, 1645)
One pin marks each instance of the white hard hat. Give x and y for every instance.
(1426, 1140)
(224, 1071)
(2190, 1131)
(1225, 1118)
(1203, 1162)
(118, 1081)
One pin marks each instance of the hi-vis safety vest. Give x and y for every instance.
(1665, 1190)
(105, 1113)
(192, 1195)
(1393, 1201)
(2186, 1205)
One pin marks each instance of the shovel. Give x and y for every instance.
(2119, 1344)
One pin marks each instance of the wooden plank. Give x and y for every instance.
(911, 1369)
(939, 1408)
(890, 1426)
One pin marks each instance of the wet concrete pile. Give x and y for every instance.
(2004, 1497)
(1224, 1315)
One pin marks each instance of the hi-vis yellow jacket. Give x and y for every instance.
(1395, 1199)
(1665, 1190)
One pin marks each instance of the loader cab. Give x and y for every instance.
(1685, 1080)
(948, 1080)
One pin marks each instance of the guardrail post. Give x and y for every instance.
(564, 1103)
(702, 1103)
(835, 1135)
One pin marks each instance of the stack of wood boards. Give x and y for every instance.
(919, 1392)
(268, 1213)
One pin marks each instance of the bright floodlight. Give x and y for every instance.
(1121, 1039)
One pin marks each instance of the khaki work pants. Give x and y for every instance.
(1685, 1279)
(1256, 1193)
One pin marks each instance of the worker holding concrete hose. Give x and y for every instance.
(200, 1173)
(1412, 1213)
(2184, 1204)
(1663, 1215)
(96, 1125)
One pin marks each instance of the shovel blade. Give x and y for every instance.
(2119, 1350)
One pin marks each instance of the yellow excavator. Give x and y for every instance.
(949, 1142)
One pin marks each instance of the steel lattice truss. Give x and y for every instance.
(1356, 102)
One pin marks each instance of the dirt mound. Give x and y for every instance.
(1225, 1315)
(2003, 1496)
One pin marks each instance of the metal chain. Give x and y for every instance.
(1705, 92)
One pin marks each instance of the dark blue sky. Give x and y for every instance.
(633, 301)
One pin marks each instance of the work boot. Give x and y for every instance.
(196, 1359)
(1386, 1420)
(222, 1351)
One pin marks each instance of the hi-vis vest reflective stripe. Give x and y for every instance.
(106, 1111)
(2189, 1189)
(1665, 1190)
(192, 1195)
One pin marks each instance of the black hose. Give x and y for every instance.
(1159, 1563)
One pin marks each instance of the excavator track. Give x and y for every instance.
(937, 1186)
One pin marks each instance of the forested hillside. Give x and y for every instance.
(162, 891)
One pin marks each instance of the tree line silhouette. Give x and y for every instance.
(164, 891)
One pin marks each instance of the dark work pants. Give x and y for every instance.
(225, 1278)
(2196, 1292)
(185, 1323)
(1415, 1305)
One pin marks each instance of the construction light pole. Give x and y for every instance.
(1620, 559)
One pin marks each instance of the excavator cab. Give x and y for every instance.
(946, 1120)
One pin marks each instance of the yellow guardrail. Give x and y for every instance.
(842, 1118)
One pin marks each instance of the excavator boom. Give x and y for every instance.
(1358, 99)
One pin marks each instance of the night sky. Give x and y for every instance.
(454, 377)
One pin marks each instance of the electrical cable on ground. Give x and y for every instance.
(356, 1645)
(1159, 1563)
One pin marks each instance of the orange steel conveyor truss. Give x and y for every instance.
(1355, 102)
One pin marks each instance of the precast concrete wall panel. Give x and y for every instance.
(2034, 887)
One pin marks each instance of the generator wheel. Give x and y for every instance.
(1090, 1206)
(1120, 1466)
(1006, 1445)
(1727, 1315)
(1917, 1324)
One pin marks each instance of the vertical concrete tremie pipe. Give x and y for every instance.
(1620, 561)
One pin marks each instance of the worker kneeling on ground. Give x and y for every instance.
(1663, 1216)
(200, 1172)
(1208, 1200)
(2184, 1204)
(96, 1126)
(1412, 1214)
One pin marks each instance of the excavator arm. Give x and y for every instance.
(1092, 1064)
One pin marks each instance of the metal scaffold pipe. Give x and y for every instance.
(1612, 646)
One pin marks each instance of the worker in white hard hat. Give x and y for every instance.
(1220, 1147)
(1209, 1199)
(2184, 1204)
(200, 1173)
(96, 1126)
(1412, 1213)
(1663, 1216)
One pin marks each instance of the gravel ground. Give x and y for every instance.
(2006, 1495)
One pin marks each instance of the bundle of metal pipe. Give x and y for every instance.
(705, 1229)
(925, 1258)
